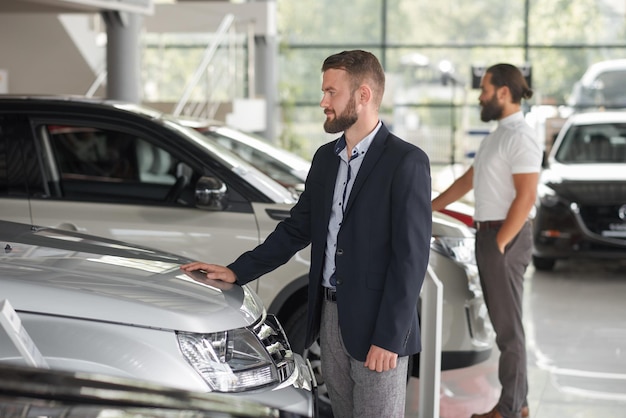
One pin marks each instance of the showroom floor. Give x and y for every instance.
(575, 321)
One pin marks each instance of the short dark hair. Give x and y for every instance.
(512, 77)
(361, 66)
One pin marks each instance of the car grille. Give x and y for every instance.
(600, 204)
(273, 337)
(604, 220)
(591, 192)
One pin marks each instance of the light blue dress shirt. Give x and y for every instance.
(343, 187)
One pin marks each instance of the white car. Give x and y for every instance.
(100, 306)
(581, 198)
(125, 172)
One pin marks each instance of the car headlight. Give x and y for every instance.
(240, 359)
(547, 196)
(459, 249)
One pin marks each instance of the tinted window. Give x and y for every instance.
(19, 161)
(109, 164)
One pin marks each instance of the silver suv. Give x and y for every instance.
(126, 172)
(102, 306)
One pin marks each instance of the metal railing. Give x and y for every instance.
(208, 106)
(97, 83)
(225, 71)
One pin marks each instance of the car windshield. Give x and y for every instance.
(594, 143)
(287, 169)
(244, 169)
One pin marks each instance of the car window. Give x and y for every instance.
(19, 168)
(596, 143)
(88, 153)
(96, 163)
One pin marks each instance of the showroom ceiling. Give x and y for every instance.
(86, 6)
(72, 6)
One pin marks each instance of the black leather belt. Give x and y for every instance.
(330, 294)
(484, 225)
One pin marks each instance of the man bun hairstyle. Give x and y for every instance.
(361, 66)
(512, 77)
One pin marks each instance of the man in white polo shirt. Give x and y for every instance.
(504, 177)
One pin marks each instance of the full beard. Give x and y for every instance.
(343, 121)
(491, 110)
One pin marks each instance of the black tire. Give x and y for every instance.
(543, 264)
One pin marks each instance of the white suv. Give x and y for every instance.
(129, 173)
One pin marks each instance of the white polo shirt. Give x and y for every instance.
(510, 149)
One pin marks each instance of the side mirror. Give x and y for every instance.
(211, 194)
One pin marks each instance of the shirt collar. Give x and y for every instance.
(362, 146)
(512, 118)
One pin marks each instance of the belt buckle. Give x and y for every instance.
(330, 294)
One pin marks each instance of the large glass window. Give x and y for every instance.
(429, 51)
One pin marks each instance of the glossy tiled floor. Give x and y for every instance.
(575, 321)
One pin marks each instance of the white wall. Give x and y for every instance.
(40, 57)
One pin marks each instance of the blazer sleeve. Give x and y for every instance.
(290, 235)
(411, 230)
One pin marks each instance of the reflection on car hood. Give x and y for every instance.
(54, 272)
(26, 391)
(588, 183)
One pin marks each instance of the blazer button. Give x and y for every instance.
(339, 251)
(339, 281)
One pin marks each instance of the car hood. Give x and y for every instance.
(585, 172)
(588, 183)
(60, 273)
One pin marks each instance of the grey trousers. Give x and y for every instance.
(354, 390)
(502, 280)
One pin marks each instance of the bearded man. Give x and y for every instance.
(504, 176)
(366, 212)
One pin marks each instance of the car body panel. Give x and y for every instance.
(169, 228)
(462, 297)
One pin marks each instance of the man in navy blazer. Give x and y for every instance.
(366, 211)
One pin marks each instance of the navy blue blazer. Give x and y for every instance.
(382, 247)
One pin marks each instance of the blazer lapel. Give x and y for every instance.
(371, 158)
